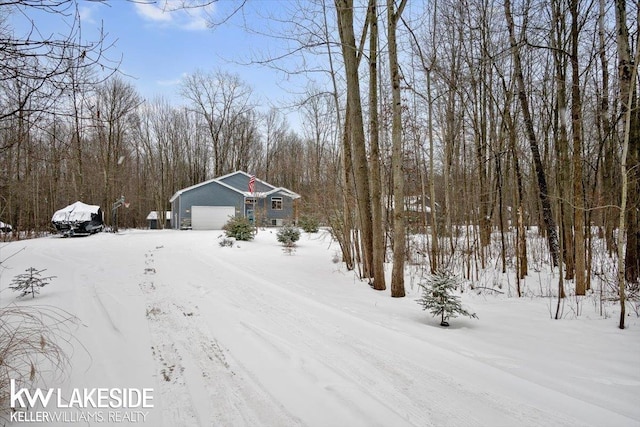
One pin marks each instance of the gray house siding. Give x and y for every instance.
(175, 218)
(212, 194)
(287, 206)
(266, 214)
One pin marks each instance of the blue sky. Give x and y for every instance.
(158, 47)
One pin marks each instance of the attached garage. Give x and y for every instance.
(208, 205)
(211, 217)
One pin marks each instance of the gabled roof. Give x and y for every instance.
(222, 178)
(216, 180)
(219, 181)
(153, 215)
(287, 192)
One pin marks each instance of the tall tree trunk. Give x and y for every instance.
(627, 74)
(628, 101)
(344, 225)
(576, 130)
(521, 235)
(547, 213)
(606, 193)
(348, 250)
(397, 159)
(78, 173)
(562, 137)
(432, 185)
(379, 282)
(344, 9)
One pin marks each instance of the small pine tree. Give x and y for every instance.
(240, 228)
(437, 296)
(226, 243)
(288, 235)
(309, 224)
(30, 282)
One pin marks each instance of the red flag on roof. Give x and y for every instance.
(252, 184)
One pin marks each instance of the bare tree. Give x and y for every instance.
(43, 62)
(275, 128)
(222, 99)
(629, 111)
(116, 101)
(631, 139)
(354, 130)
(576, 132)
(379, 247)
(159, 138)
(543, 192)
(399, 229)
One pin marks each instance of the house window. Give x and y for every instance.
(276, 203)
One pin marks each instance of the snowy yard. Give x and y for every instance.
(253, 336)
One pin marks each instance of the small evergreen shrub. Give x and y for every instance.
(438, 297)
(309, 224)
(226, 243)
(240, 228)
(30, 282)
(288, 235)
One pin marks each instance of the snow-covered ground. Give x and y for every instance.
(254, 336)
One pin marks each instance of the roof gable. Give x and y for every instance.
(239, 182)
(153, 215)
(283, 191)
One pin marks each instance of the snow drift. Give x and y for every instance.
(252, 335)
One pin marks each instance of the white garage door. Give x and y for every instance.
(210, 217)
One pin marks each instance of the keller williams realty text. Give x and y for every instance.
(69, 417)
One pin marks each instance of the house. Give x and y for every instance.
(417, 209)
(210, 204)
(152, 220)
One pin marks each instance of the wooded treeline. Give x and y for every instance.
(489, 116)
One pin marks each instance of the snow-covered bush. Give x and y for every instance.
(288, 235)
(309, 224)
(240, 228)
(226, 243)
(30, 282)
(438, 297)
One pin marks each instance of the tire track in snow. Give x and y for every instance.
(194, 368)
(176, 403)
(407, 384)
(342, 382)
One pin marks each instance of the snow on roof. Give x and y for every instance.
(265, 194)
(412, 203)
(77, 211)
(153, 215)
(284, 191)
(219, 181)
(5, 225)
